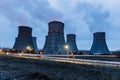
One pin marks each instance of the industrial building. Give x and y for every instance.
(55, 41)
(71, 42)
(25, 40)
(99, 45)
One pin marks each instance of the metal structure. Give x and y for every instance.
(25, 39)
(71, 42)
(99, 45)
(55, 41)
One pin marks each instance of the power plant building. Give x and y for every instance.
(99, 45)
(71, 42)
(54, 43)
(25, 39)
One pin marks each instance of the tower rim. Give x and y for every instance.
(99, 32)
(55, 22)
(71, 34)
(24, 26)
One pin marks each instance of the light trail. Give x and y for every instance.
(70, 60)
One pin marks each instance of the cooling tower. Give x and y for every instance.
(71, 41)
(55, 41)
(25, 39)
(99, 45)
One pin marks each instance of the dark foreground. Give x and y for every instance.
(12, 68)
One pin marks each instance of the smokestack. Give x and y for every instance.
(99, 45)
(55, 41)
(71, 41)
(25, 39)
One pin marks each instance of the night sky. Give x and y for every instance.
(81, 17)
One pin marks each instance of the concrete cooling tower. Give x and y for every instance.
(71, 42)
(99, 45)
(25, 39)
(55, 41)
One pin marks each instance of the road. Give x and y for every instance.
(64, 58)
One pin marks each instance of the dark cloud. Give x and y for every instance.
(27, 11)
(34, 13)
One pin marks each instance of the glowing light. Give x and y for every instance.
(66, 47)
(7, 53)
(0, 50)
(28, 47)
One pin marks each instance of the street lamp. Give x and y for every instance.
(0, 50)
(67, 48)
(29, 48)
